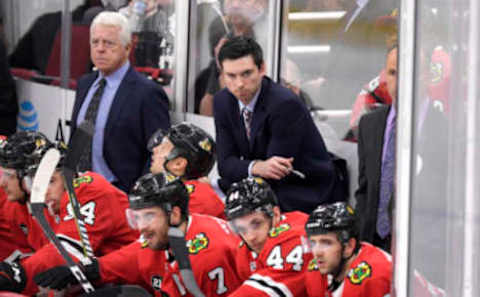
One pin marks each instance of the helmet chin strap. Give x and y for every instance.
(341, 265)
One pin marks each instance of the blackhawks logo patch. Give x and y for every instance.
(84, 179)
(190, 188)
(205, 145)
(358, 274)
(274, 232)
(200, 242)
(313, 265)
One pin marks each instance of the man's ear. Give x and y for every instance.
(277, 215)
(177, 166)
(349, 248)
(175, 216)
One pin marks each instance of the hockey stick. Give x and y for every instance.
(176, 239)
(119, 291)
(37, 203)
(82, 135)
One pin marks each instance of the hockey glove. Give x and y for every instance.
(59, 277)
(12, 277)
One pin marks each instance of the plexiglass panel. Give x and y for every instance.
(333, 52)
(213, 22)
(444, 235)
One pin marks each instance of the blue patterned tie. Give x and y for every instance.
(85, 162)
(386, 185)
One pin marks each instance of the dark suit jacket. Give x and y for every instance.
(281, 126)
(370, 147)
(139, 108)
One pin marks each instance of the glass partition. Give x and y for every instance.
(333, 51)
(445, 214)
(212, 23)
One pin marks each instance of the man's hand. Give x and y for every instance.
(273, 168)
(12, 277)
(59, 277)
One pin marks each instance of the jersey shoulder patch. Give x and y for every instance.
(359, 273)
(200, 242)
(276, 231)
(84, 179)
(313, 265)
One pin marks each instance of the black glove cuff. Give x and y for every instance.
(92, 270)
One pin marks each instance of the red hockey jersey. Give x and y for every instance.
(280, 266)
(211, 245)
(134, 264)
(370, 275)
(103, 207)
(13, 241)
(204, 200)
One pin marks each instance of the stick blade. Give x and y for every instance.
(82, 136)
(43, 175)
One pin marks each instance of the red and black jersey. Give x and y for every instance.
(134, 264)
(103, 207)
(25, 229)
(204, 200)
(211, 245)
(279, 268)
(13, 239)
(369, 275)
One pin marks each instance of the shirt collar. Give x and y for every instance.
(114, 79)
(251, 105)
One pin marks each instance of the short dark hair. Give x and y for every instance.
(239, 47)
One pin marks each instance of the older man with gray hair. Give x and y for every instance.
(125, 107)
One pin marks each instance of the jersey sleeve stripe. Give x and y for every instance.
(269, 286)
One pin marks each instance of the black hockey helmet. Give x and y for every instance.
(337, 217)
(15, 151)
(33, 159)
(192, 143)
(249, 195)
(157, 190)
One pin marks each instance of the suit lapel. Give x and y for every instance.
(120, 100)
(378, 138)
(260, 113)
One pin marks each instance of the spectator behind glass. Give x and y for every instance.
(8, 95)
(33, 49)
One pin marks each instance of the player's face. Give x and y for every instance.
(242, 77)
(11, 185)
(152, 223)
(391, 70)
(253, 228)
(160, 154)
(107, 51)
(55, 192)
(327, 249)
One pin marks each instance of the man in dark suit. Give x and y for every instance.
(375, 178)
(262, 129)
(125, 107)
